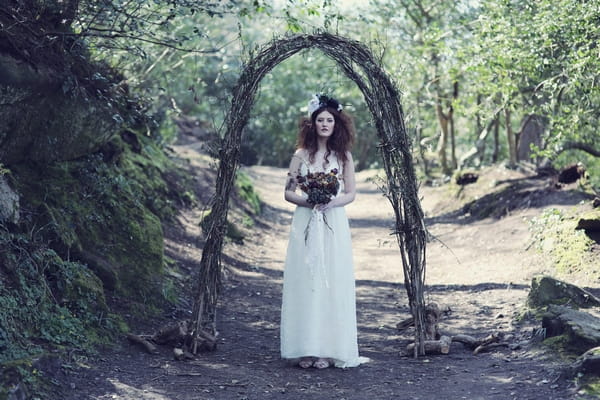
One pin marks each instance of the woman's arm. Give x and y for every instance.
(349, 187)
(291, 183)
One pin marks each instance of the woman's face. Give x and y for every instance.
(324, 123)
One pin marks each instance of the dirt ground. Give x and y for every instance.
(480, 268)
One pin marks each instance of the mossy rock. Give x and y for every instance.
(85, 293)
(91, 210)
(581, 329)
(54, 126)
(546, 290)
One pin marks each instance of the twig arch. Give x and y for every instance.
(383, 100)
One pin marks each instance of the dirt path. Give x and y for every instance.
(481, 271)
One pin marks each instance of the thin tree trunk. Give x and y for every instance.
(443, 142)
(451, 120)
(496, 139)
(512, 145)
(479, 128)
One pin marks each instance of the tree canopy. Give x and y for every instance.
(465, 68)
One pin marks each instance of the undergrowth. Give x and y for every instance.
(47, 304)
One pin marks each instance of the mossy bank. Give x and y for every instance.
(85, 247)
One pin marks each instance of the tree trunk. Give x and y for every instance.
(451, 118)
(422, 157)
(496, 151)
(512, 144)
(443, 142)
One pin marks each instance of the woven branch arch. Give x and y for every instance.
(383, 100)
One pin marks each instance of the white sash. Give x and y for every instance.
(314, 236)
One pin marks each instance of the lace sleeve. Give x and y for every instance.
(293, 172)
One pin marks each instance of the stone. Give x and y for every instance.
(582, 329)
(9, 203)
(589, 221)
(546, 290)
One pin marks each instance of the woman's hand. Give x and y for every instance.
(326, 206)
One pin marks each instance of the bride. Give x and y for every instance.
(318, 313)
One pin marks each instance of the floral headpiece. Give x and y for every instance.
(320, 100)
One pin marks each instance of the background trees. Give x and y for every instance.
(477, 76)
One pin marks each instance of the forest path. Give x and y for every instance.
(481, 269)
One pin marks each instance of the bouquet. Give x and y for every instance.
(319, 186)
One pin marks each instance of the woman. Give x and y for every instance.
(318, 313)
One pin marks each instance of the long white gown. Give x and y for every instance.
(318, 313)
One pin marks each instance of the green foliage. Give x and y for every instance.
(246, 207)
(46, 302)
(554, 233)
(540, 58)
(245, 189)
(102, 210)
(590, 385)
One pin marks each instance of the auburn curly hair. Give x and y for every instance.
(340, 141)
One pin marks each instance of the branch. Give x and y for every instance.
(579, 146)
(422, 9)
(142, 39)
(412, 16)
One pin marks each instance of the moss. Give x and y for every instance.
(245, 189)
(554, 234)
(102, 214)
(70, 308)
(590, 385)
(563, 346)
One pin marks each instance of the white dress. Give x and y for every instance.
(318, 313)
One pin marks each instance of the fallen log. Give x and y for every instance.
(467, 340)
(143, 342)
(489, 346)
(480, 345)
(441, 346)
(172, 334)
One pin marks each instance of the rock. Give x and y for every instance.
(546, 290)
(9, 203)
(581, 329)
(589, 221)
(571, 173)
(587, 363)
(178, 354)
(47, 116)
(466, 178)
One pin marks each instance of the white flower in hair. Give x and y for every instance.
(314, 104)
(321, 100)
